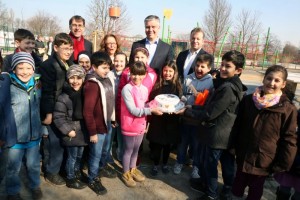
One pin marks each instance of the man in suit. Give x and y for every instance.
(159, 51)
(186, 59)
(77, 26)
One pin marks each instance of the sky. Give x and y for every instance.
(282, 16)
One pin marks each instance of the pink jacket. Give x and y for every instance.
(133, 118)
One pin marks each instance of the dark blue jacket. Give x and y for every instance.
(8, 129)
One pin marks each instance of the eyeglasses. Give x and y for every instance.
(80, 26)
(67, 49)
(111, 44)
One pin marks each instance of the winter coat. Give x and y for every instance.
(265, 140)
(62, 118)
(164, 129)
(215, 121)
(26, 109)
(53, 75)
(133, 117)
(8, 129)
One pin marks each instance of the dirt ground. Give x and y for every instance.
(170, 186)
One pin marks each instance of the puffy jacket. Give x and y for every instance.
(133, 117)
(26, 109)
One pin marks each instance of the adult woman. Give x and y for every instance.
(110, 45)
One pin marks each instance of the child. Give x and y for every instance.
(68, 118)
(85, 61)
(119, 65)
(24, 41)
(98, 112)
(195, 84)
(264, 134)
(133, 121)
(53, 72)
(216, 121)
(139, 54)
(164, 130)
(25, 101)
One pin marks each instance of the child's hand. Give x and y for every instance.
(48, 119)
(181, 112)
(156, 111)
(72, 134)
(94, 139)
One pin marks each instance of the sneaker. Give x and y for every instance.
(207, 197)
(154, 171)
(75, 184)
(55, 179)
(197, 185)
(177, 168)
(37, 194)
(107, 172)
(97, 187)
(128, 180)
(14, 197)
(195, 172)
(165, 169)
(137, 175)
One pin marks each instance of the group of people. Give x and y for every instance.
(78, 101)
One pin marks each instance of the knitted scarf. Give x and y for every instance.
(77, 100)
(262, 100)
(78, 45)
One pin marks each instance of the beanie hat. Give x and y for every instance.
(22, 57)
(75, 70)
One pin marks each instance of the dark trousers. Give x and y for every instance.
(254, 182)
(157, 149)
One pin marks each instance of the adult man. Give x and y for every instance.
(159, 51)
(186, 59)
(50, 46)
(40, 46)
(77, 26)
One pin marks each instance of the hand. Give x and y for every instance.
(181, 112)
(72, 134)
(48, 119)
(156, 111)
(114, 124)
(94, 139)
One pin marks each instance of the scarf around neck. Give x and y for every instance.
(77, 99)
(262, 100)
(78, 45)
(27, 85)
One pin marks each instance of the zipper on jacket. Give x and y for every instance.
(29, 101)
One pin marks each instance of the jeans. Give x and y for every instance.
(73, 161)
(97, 157)
(117, 131)
(3, 162)
(228, 170)
(14, 162)
(56, 150)
(188, 138)
(106, 150)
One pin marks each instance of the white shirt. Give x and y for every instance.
(188, 62)
(151, 48)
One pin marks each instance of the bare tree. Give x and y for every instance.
(217, 20)
(98, 12)
(3, 15)
(43, 24)
(290, 53)
(247, 27)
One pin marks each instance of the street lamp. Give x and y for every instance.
(114, 14)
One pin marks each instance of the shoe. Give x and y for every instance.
(14, 197)
(195, 172)
(55, 179)
(37, 194)
(128, 180)
(78, 175)
(154, 171)
(107, 172)
(97, 187)
(197, 185)
(226, 193)
(75, 184)
(137, 175)
(177, 168)
(207, 197)
(165, 169)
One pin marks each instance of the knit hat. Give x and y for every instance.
(75, 70)
(22, 57)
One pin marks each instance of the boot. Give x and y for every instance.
(74, 183)
(137, 175)
(128, 180)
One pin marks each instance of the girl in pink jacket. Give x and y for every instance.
(133, 121)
